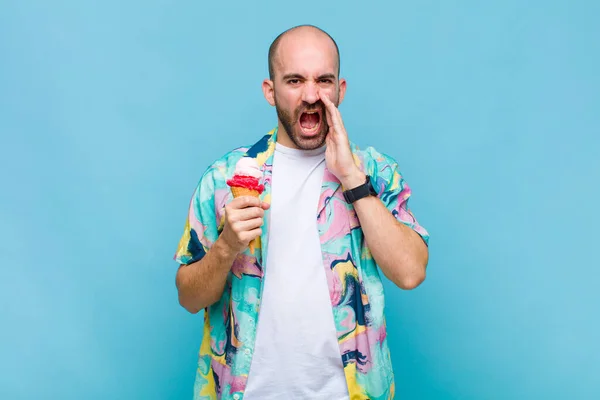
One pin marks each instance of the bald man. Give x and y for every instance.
(299, 314)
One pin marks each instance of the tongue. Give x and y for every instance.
(309, 121)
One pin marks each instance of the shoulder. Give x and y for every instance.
(212, 183)
(376, 163)
(222, 167)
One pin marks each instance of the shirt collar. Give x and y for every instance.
(264, 149)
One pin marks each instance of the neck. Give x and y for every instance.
(283, 138)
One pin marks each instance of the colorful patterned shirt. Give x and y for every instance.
(353, 278)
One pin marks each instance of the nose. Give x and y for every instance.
(310, 94)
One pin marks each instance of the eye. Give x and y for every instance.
(293, 81)
(326, 80)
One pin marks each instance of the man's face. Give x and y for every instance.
(305, 69)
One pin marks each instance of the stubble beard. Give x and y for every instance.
(291, 125)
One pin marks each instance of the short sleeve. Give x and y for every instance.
(200, 230)
(394, 192)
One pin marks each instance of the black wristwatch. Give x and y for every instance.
(364, 190)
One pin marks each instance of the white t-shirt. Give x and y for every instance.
(296, 353)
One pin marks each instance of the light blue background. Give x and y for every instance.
(110, 111)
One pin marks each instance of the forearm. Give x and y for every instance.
(201, 284)
(398, 250)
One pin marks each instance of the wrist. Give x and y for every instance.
(224, 249)
(353, 180)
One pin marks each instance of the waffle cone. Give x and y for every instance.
(239, 191)
(242, 191)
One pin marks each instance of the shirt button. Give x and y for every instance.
(236, 397)
(247, 352)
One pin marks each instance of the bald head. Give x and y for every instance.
(300, 33)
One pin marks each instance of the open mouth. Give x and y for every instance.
(310, 122)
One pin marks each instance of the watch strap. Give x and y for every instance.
(357, 193)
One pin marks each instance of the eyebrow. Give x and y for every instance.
(292, 76)
(327, 76)
(298, 76)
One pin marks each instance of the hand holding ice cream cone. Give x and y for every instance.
(246, 182)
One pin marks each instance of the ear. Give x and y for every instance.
(269, 91)
(342, 84)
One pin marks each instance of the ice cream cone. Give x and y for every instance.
(238, 191)
(246, 182)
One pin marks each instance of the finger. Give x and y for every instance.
(246, 214)
(329, 142)
(246, 226)
(251, 235)
(324, 97)
(333, 112)
(339, 115)
(329, 104)
(328, 117)
(244, 202)
(338, 122)
(334, 123)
